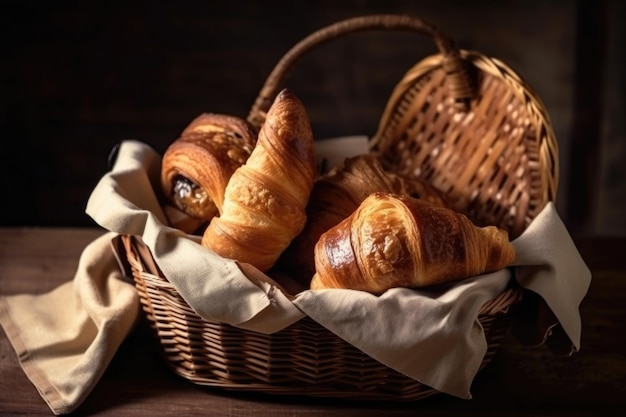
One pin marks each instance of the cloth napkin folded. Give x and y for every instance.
(431, 335)
(66, 338)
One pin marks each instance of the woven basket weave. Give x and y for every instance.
(303, 359)
(463, 122)
(497, 159)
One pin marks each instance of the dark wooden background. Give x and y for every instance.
(79, 77)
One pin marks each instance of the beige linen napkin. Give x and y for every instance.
(65, 339)
(551, 268)
(433, 336)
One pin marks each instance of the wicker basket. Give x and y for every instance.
(303, 359)
(464, 122)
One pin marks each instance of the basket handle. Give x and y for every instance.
(460, 85)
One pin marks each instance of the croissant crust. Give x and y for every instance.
(399, 241)
(336, 195)
(265, 199)
(197, 166)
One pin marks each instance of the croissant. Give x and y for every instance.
(197, 166)
(265, 199)
(399, 241)
(336, 195)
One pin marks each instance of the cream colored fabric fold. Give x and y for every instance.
(548, 264)
(65, 339)
(432, 336)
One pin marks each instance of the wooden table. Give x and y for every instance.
(520, 381)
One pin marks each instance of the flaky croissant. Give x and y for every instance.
(197, 166)
(265, 199)
(336, 195)
(398, 241)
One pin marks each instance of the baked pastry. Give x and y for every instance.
(265, 199)
(197, 166)
(182, 221)
(399, 241)
(336, 195)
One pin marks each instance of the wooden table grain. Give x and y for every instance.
(520, 380)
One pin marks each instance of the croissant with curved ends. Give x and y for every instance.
(336, 195)
(399, 241)
(197, 166)
(265, 199)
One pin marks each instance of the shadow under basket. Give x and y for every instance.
(302, 359)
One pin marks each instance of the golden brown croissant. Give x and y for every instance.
(197, 166)
(336, 195)
(265, 199)
(399, 241)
